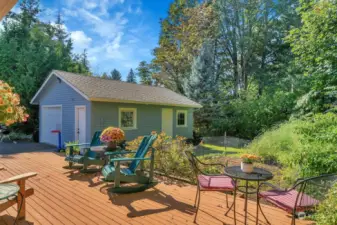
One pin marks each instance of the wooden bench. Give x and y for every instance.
(21, 181)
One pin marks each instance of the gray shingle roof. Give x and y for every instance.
(98, 89)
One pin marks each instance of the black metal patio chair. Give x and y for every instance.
(304, 196)
(209, 182)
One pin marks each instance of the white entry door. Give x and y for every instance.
(51, 119)
(80, 124)
(167, 121)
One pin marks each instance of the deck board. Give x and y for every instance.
(64, 196)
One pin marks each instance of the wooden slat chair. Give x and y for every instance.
(114, 172)
(304, 196)
(20, 199)
(89, 157)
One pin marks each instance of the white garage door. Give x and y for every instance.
(51, 119)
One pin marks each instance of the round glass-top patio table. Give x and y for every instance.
(8, 190)
(257, 175)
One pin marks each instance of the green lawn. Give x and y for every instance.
(206, 149)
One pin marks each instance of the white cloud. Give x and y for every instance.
(63, 26)
(90, 4)
(88, 16)
(16, 9)
(106, 28)
(67, 13)
(103, 28)
(100, 6)
(48, 14)
(117, 41)
(129, 9)
(138, 11)
(81, 40)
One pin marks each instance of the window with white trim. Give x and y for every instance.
(181, 118)
(128, 118)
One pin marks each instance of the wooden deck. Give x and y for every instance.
(64, 196)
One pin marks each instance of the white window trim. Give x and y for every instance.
(185, 113)
(134, 110)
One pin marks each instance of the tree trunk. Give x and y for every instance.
(264, 50)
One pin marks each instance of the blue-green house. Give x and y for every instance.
(79, 105)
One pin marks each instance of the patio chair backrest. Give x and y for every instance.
(313, 190)
(194, 162)
(96, 141)
(142, 150)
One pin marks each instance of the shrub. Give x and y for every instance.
(75, 148)
(316, 102)
(11, 111)
(16, 136)
(276, 143)
(303, 148)
(170, 159)
(327, 210)
(247, 117)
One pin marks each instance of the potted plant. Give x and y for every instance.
(112, 136)
(247, 162)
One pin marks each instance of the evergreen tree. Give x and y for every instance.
(202, 86)
(105, 76)
(116, 75)
(80, 64)
(144, 73)
(30, 49)
(85, 62)
(60, 34)
(29, 12)
(131, 78)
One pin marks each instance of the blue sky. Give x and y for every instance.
(116, 33)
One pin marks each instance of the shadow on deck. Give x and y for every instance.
(64, 196)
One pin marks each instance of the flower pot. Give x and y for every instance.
(247, 167)
(112, 145)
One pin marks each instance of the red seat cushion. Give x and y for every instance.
(286, 200)
(216, 183)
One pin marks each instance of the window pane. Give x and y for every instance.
(127, 119)
(181, 119)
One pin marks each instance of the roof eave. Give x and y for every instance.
(32, 102)
(142, 103)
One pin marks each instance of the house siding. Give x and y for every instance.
(56, 93)
(149, 119)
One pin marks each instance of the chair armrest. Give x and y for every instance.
(297, 182)
(119, 153)
(212, 164)
(74, 145)
(20, 177)
(272, 186)
(128, 159)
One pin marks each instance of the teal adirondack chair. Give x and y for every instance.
(89, 157)
(114, 172)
